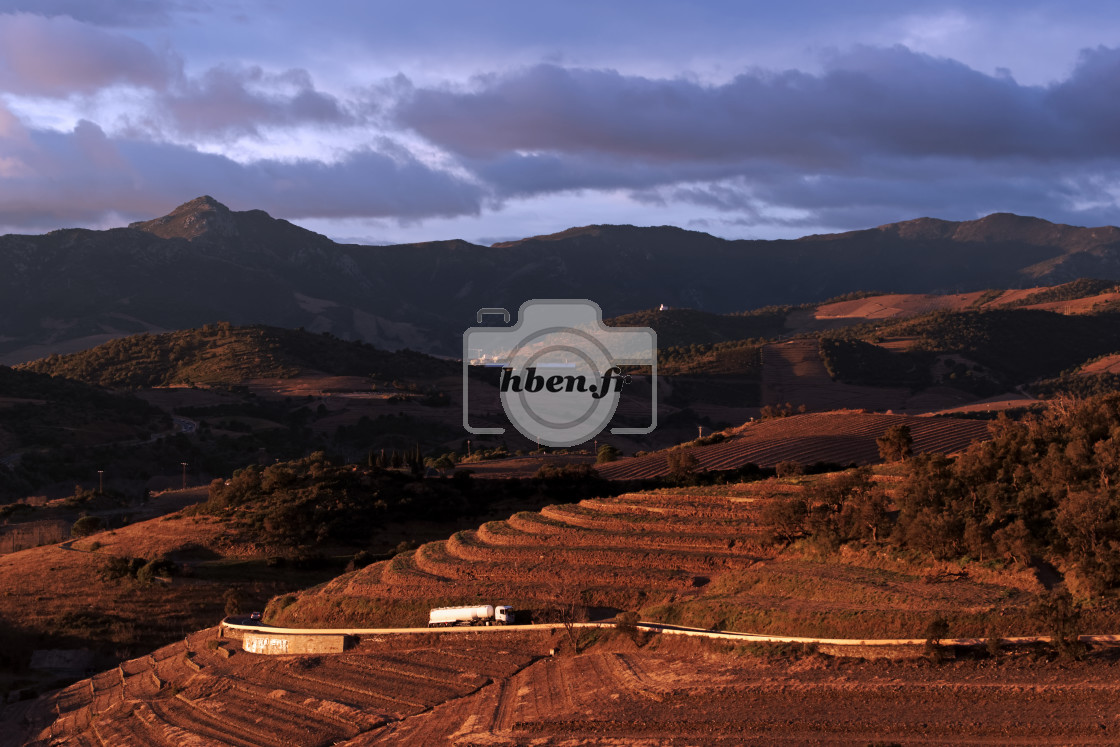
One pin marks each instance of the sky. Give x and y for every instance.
(386, 122)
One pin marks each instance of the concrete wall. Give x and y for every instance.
(288, 643)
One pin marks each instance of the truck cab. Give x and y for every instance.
(503, 615)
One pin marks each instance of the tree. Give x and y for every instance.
(86, 525)
(607, 453)
(789, 469)
(896, 444)
(1060, 617)
(682, 463)
(233, 602)
(568, 609)
(627, 622)
(786, 518)
(936, 629)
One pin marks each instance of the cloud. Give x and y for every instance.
(238, 101)
(877, 131)
(118, 13)
(60, 56)
(49, 179)
(880, 100)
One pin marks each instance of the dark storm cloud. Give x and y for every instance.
(871, 100)
(53, 179)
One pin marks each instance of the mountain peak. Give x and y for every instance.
(201, 216)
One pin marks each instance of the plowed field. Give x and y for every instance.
(193, 693)
(642, 698)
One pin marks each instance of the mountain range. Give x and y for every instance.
(70, 289)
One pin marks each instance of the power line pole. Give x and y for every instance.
(184, 474)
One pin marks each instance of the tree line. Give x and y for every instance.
(1045, 487)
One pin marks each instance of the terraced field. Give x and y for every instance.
(697, 696)
(615, 552)
(841, 437)
(504, 688)
(204, 691)
(690, 556)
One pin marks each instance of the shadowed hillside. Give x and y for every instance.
(71, 289)
(222, 354)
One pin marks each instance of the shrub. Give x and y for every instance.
(682, 463)
(896, 443)
(1060, 617)
(788, 469)
(936, 629)
(994, 644)
(786, 518)
(627, 622)
(360, 560)
(232, 601)
(607, 453)
(116, 568)
(87, 525)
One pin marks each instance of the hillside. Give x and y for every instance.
(46, 422)
(505, 688)
(223, 354)
(841, 438)
(900, 551)
(71, 289)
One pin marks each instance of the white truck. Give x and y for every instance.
(485, 614)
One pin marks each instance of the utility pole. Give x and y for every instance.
(184, 474)
(100, 482)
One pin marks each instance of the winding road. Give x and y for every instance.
(650, 626)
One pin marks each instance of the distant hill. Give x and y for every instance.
(223, 354)
(71, 289)
(677, 327)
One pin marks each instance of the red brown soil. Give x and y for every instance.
(841, 437)
(1086, 305)
(894, 305)
(195, 691)
(523, 467)
(998, 403)
(1108, 364)
(665, 699)
(901, 305)
(503, 689)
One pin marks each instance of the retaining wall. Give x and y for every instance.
(288, 643)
